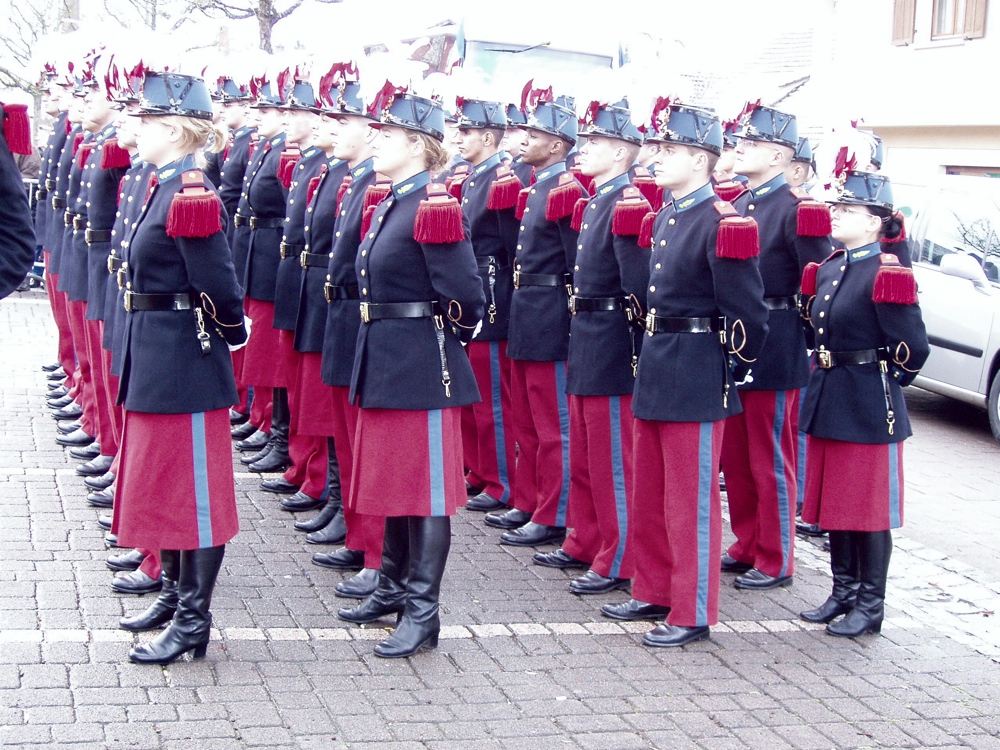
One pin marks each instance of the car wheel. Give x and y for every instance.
(993, 404)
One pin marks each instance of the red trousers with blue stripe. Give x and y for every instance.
(489, 424)
(86, 398)
(541, 429)
(758, 459)
(307, 448)
(57, 301)
(600, 483)
(102, 406)
(114, 409)
(676, 529)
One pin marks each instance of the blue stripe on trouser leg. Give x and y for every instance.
(498, 428)
(202, 502)
(800, 462)
(784, 521)
(894, 519)
(561, 510)
(706, 468)
(618, 474)
(435, 452)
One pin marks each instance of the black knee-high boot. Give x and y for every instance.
(275, 457)
(189, 629)
(390, 596)
(162, 610)
(874, 550)
(430, 541)
(329, 527)
(844, 566)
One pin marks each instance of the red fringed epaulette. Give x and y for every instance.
(83, 153)
(366, 220)
(813, 217)
(563, 197)
(646, 230)
(454, 185)
(894, 283)
(77, 142)
(522, 203)
(504, 191)
(578, 210)
(377, 192)
(311, 190)
(342, 189)
(809, 279)
(648, 187)
(286, 166)
(629, 213)
(17, 128)
(902, 231)
(737, 238)
(114, 156)
(586, 180)
(121, 190)
(730, 190)
(439, 217)
(195, 211)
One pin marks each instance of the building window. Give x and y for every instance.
(949, 18)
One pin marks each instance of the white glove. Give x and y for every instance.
(247, 323)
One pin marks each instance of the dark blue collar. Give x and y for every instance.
(689, 201)
(613, 184)
(277, 140)
(135, 159)
(768, 187)
(245, 130)
(861, 253)
(359, 171)
(558, 168)
(423, 179)
(174, 169)
(310, 152)
(493, 161)
(107, 131)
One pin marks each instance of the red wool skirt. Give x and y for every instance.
(853, 486)
(314, 408)
(261, 363)
(175, 481)
(408, 463)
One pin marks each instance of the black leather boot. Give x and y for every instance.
(430, 541)
(242, 431)
(277, 458)
(330, 526)
(844, 566)
(320, 520)
(254, 443)
(189, 628)
(162, 610)
(390, 596)
(874, 548)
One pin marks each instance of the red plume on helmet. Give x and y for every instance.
(383, 99)
(661, 105)
(591, 114)
(335, 78)
(531, 97)
(748, 109)
(284, 83)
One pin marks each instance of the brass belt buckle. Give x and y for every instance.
(326, 292)
(825, 359)
(572, 304)
(282, 248)
(253, 222)
(111, 262)
(120, 276)
(364, 313)
(303, 258)
(650, 324)
(128, 301)
(517, 279)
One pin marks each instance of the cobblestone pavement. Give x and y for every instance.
(522, 663)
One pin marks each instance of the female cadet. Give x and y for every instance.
(869, 340)
(421, 297)
(183, 306)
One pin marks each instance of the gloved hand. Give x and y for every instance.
(247, 323)
(740, 370)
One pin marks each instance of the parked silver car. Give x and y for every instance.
(953, 225)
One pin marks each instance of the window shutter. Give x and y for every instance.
(903, 20)
(975, 19)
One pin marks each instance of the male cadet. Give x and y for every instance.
(609, 279)
(705, 314)
(266, 197)
(802, 167)
(758, 455)
(17, 237)
(515, 138)
(489, 199)
(538, 338)
(309, 473)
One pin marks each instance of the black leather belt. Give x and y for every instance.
(156, 302)
(348, 291)
(826, 360)
(114, 263)
(540, 279)
(661, 324)
(79, 222)
(257, 222)
(97, 235)
(58, 203)
(782, 303)
(68, 217)
(50, 184)
(239, 220)
(379, 311)
(313, 260)
(41, 194)
(595, 304)
(288, 251)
